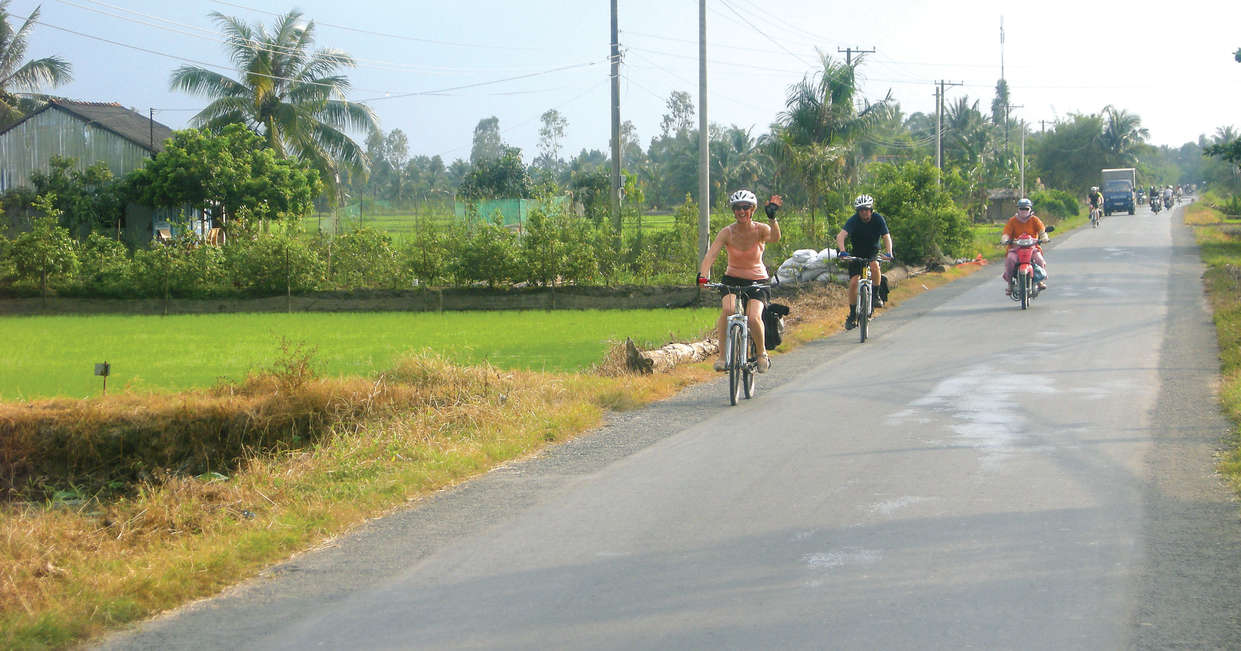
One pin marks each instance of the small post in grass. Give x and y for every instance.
(103, 370)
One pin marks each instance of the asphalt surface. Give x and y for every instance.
(974, 476)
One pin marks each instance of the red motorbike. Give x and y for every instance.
(1023, 285)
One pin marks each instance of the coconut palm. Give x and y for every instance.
(28, 77)
(293, 96)
(1122, 133)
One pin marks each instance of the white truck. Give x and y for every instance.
(1118, 189)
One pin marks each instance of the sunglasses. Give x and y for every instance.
(742, 207)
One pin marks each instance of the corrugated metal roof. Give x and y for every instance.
(134, 127)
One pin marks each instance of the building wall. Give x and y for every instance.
(29, 146)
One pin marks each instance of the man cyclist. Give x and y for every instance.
(745, 240)
(865, 230)
(1023, 223)
(1096, 200)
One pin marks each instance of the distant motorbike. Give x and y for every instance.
(1141, 197)
(1023, 285)
(1156, 205)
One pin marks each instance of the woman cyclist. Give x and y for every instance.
(745, 240)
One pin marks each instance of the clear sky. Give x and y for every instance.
(1173, 67)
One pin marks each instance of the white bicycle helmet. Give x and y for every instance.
(864, 201)
(743, 196)
(1094, 188)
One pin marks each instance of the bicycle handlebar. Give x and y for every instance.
(737, 287)
(874, 258)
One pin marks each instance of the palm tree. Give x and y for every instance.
(18, 77)
(290, 95)
(820, 123)
(1122, 133)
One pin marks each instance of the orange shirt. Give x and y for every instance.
(1015, 229)
(746, 264)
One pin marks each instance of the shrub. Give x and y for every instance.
(274, 264)
(106, 267)
(45, 254)
(924, 222)
(489, 253)
(1055, 203)
(365, 258)
(426, 256)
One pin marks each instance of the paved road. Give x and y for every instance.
(974, 476)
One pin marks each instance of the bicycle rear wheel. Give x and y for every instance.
(736, 359)
(863, 311)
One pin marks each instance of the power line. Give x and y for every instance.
(764, 34)
(386, 34)
(273, 48)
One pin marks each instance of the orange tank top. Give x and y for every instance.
(746, 264)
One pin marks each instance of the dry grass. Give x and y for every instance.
(70, 569)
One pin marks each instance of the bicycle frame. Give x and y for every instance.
(863, 304)
(737, 342)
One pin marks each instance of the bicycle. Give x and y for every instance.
(1096, 216)
(741, 369)
(865, 299)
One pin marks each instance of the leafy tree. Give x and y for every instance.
(89, 200)
(225, 173)
(1071, 155)
(924, 221)
(487, 145)
(289, 94)
(46, 252)
(591, 188)
(680, 117)
(500, 178)
(551, 133)
(18, 76)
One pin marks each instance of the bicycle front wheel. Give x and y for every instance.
(736, 359)
(749, 374)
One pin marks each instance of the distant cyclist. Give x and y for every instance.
(1095, 198)
(745, 241)
(866, 229)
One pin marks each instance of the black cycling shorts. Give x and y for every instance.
(760, 293)
(855, 266)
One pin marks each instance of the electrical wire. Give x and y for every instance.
(273, 48)
(386, 34)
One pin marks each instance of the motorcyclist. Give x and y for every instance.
(1167, 197)
(1023, 223)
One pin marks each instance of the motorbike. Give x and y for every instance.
(1023, 285)
(1141, 197)
(1156, 205)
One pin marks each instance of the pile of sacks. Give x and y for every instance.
(808, 265)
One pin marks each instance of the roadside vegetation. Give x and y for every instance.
(1217, 226)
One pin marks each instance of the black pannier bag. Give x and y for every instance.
(773, 324)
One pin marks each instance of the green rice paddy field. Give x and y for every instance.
(45, 356)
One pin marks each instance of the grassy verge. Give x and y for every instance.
(1219, 240)
(75, 566)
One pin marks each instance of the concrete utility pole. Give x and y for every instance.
(849, 53)
(704, 151)
(614, 203)
(1022, 162)
(939, 121)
